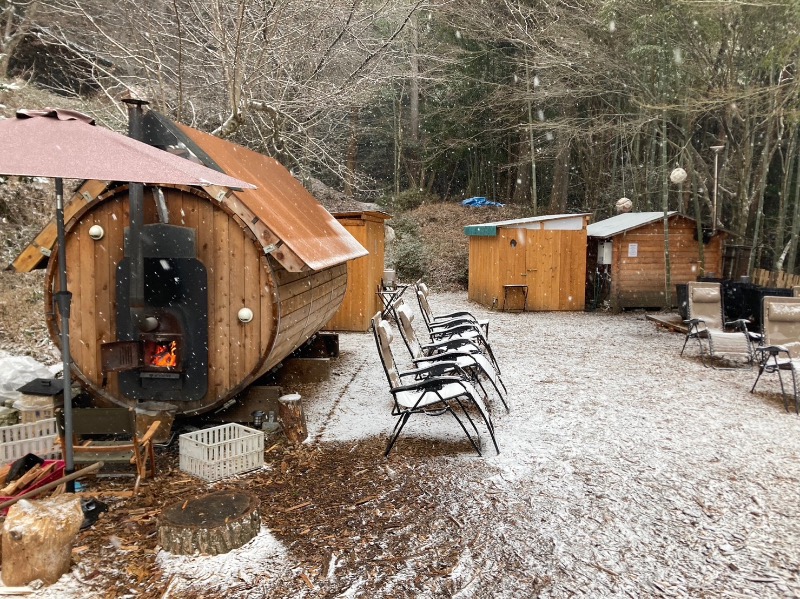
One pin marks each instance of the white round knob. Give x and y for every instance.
(96, 232)
(245, 315)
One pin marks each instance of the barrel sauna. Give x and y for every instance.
(234, 280)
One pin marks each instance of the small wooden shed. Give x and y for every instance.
(364, 274)
(627, 251)
(234, 280)
(531, 264)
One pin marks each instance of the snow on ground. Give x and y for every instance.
(644, 471)
(625, 470)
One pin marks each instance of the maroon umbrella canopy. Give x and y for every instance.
(67, 144)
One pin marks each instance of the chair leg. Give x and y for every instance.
(487, 419)
(685, 341)
(475, 445)
(783, 390)
(398, 428)
(760, 372)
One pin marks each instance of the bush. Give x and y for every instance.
(410, 258)
(413, 198)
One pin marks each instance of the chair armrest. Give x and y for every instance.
(429, 383)
(437, 369)
(739, 323)
(456, 330)
(447, 356)
(451, 344)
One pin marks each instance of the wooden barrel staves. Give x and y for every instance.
(209, 524)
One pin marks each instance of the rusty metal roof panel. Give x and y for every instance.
(282, 203)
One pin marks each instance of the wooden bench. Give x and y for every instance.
(109, 434)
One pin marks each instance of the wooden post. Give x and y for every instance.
(38, 538)
(293, 418)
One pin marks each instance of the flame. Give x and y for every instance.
(165, 355)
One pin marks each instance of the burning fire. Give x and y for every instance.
(165, 355)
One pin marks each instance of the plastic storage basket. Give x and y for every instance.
(222, 451)
(37, 437)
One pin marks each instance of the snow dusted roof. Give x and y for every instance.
(623, 222)
(534, 222)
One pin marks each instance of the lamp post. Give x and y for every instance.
(717, 150)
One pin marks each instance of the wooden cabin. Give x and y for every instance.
(626, 264)
(234, 280)
(364, 274)
(529, 264)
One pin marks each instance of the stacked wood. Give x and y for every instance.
(36, 474)
(37, 539)
(209, 524)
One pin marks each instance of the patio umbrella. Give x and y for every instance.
(65, 144)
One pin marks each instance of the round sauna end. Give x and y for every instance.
(245, 315)
(209, 524)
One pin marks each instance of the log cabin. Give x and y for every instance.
(626, 259)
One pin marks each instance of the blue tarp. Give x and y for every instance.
(480, 203)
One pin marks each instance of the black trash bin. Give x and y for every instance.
(682, 293)
(754, 297)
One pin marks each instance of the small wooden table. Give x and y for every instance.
(389, 297)
(523, 289)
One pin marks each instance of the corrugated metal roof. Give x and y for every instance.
(623, 222)
(490, 229)
(282, 203)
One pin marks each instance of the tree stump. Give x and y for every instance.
(38, 538)
(209, 524)
(293, 418)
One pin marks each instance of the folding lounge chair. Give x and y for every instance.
(428, 391)
(708, 328)
(461, 328)
(781, 350)
(462, 351)
(445, 320)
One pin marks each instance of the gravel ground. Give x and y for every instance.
(625, 470)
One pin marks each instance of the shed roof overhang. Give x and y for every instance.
(552, 221)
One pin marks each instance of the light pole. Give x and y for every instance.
(717, 150)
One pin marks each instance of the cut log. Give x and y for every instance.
(209, 524)
(37, 539)
(293, 418)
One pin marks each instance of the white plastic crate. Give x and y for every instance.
(222, 451)
(37, 437)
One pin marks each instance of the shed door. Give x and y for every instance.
(513, 269)
(556, 268)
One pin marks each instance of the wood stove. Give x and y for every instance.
(162, 352)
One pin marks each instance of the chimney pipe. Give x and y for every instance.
(136, 197)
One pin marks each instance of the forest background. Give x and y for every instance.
(546, 106)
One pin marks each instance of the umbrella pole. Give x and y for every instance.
(63, 299)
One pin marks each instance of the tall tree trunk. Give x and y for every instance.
(795, 215)
(780, 230)
(413, 149)
(665, 201)
(532, 148)
(558, 196)
(352, 154)
(523, 184)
